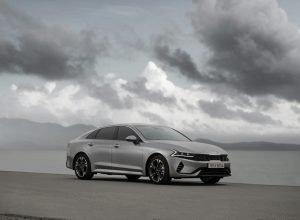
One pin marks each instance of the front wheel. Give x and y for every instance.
(210, 180)
(158, 170)
(82, 167)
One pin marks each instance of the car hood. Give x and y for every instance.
(191, 147)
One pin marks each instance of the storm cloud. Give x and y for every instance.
(217, 109)
(252, 42)
(178, 59)
(107, 94)
(50, 52)
(254, 49)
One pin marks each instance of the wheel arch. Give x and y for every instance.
(76, 155)
(149, 159)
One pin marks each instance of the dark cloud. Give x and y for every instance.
(178, 59)
(265, 103)
(153, 117)
(50, 52)
(254, 49)
(107, 94)
(217, 109)
(252, 44)
(138, 87)
(181, 60)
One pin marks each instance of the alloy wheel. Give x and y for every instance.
(81, 166)
(157, 170)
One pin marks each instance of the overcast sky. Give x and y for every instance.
(225, 70)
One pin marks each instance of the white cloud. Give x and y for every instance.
(31, 98)
(50, 86)
(73, 104)
(14, 87)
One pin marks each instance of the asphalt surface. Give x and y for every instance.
(107, 197)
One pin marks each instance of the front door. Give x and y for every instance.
(127, 157)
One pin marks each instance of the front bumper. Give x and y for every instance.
(69, 162)
(183, 168)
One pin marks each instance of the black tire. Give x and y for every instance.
(133, 177)
(158, 170)
(82, 167)
(210, 180)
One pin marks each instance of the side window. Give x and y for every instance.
(106, 133)
(92, 135)
(124, 132)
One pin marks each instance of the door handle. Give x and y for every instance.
(90, 144)
(117, 145)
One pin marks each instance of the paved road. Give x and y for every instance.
(106, 197)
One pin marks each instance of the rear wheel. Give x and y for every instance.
(158, 170)
(133, 177)
(210, 180)
(82, 167)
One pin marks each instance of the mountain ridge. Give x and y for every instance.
(18, 133)
(251, 145)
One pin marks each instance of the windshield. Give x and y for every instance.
(161, 133)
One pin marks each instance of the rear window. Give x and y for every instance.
(92, 135)
(106, 133)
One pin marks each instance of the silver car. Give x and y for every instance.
(136, 150)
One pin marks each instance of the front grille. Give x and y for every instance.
(215, 172)
(207, 157)
(180, 167)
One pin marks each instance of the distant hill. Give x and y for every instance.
(25, 134)
(259, 145)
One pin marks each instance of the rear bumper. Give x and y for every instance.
(182, 168)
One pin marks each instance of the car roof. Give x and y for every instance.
(133, 125)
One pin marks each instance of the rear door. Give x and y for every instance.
(101, 148)
(126, 156)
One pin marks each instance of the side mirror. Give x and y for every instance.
(132, 139)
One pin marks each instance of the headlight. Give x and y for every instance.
(183, 155)
(199, 157)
